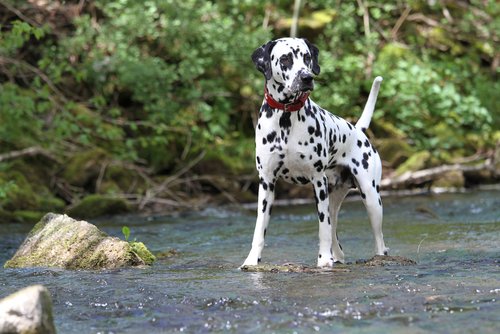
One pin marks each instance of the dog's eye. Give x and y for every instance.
(307, 59)
(286, 61)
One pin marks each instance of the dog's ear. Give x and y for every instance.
(262, 59)
(314, 55)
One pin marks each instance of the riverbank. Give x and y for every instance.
(91, 184)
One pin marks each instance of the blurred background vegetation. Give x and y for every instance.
(116, 105)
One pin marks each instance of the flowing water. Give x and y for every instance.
(454, 288)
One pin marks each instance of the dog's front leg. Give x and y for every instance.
(264, 205)
(325, 257)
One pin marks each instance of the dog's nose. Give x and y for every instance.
(306, 77)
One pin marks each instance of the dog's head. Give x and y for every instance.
(288, 64)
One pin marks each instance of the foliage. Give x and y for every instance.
(155, 83)
(126, 232)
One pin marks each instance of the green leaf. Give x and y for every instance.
(126, 232)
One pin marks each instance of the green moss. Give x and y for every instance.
(452, 179)
(27, 216)
(142, 252)
(395, 51)
(20, 195)
(394, 151)
(119, 179)
(94, 206)
(416, 162)
(25, 189)
(84, 167)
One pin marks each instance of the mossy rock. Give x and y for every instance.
(142, 252)
(61, 241)
(96, 205)
(119, 179)
(19, 194)
(25, 188)
(83, 168)
(417, 161)
(28, 216)
(376, 261)
(394, 151)
(451, 179)
(387, 260)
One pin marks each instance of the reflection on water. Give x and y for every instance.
(454, 288)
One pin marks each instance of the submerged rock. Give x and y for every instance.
(377, 260)
(292, 268)
(61, 241)
(387, 260)
(27, 311)
(96, 205)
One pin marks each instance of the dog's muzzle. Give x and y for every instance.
(304, 81)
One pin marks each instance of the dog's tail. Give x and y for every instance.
(366, 116)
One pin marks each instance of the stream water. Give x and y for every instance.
(454, 288)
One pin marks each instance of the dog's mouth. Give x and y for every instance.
(306, 87)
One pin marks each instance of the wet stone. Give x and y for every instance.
(376, 261)
(386, 260)
(292, 268)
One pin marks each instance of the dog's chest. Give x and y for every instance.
(298, 146)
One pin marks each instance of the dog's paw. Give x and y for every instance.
(385, 251)
(325, 262)
(251, 261)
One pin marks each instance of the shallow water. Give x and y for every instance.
(454, 288)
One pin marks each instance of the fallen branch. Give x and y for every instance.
(430, 174)
(27, 152)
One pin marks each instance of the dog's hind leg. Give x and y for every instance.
(264, 205)
(373, 204)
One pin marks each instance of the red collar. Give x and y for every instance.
(287, 107)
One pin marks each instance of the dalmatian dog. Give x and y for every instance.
(302, 143)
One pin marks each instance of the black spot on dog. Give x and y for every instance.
(264, 205)
(271, 136)
(302, 180)
(322, 195)
(344, 138)
(319, 165)
(354, 161)
(264, 184)
(360, 143)
(321, 216)
(285, 121)
(365, 161)
(310, 129)
(319, 148)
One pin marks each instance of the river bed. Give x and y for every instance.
(454, 288)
